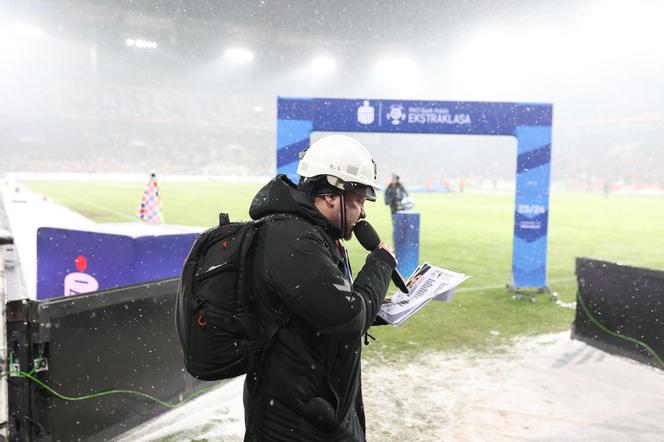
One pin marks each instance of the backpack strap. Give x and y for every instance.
(261, 344)
(283, 318)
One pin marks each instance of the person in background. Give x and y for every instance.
(447, 185)
(307, 386)
(395, 193)
(606, 187)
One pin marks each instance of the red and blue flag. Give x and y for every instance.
(150, 211)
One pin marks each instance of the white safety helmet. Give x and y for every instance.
(346, 163)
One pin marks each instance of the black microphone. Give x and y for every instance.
(368, 237)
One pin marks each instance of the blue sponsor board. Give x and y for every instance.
(530, 123)
(71, 262)
(433, 117)
(530, 240)
(406, 237)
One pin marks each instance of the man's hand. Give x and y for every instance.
(387, 247)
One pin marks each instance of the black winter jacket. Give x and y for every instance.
(314, 360)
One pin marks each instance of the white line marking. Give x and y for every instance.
(102, 208)
(502, 286)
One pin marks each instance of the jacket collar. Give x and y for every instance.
(281, 195)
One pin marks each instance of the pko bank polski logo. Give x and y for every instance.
(366, 114)
(396, 114)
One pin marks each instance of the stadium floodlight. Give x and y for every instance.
(19, 40)
(237, 55)
(323, 65)
(24, 32)
(140, 43)
(146, 44)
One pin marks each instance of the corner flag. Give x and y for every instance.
(150, 211)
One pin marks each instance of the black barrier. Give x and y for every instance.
(88, 345)
(620, 310)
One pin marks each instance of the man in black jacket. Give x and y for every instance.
(307, 386)
(394, 194)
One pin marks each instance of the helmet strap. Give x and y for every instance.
(342, 197)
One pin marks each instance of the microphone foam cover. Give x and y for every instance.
(366, 235)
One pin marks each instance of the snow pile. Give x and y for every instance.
(545, 388)
(214, 416)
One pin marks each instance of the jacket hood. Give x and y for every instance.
(281, 195)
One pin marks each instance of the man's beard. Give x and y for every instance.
(348, 235)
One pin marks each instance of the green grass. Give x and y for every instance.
(470, 233)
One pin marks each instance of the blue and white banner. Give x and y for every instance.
(530, 123)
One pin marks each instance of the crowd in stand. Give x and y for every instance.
(422, 163)
(237, 152)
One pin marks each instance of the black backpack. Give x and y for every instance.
(218, 332)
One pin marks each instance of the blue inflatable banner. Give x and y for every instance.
(530, 123)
